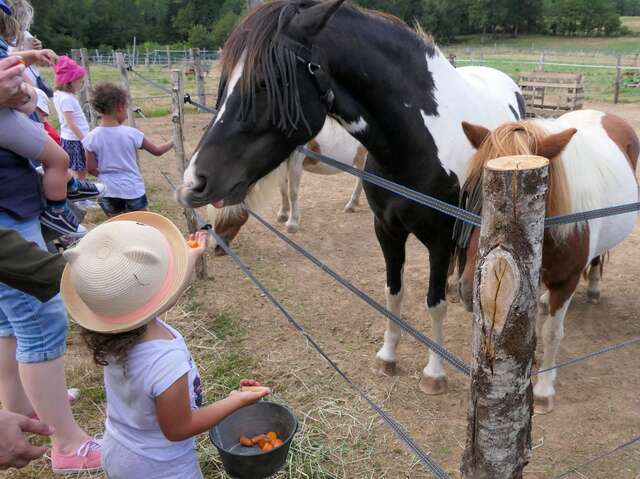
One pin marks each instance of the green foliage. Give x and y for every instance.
(66, 24)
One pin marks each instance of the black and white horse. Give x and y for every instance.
(289, 64)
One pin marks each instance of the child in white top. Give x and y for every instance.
(111, 152)
(74, 127)
(154, 394)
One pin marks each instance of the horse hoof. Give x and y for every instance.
(282, 218)
(433, 386)
(218, 251)
(593, 297)
(350, 209)
(542, 405)
(292, 228)
(385, 368)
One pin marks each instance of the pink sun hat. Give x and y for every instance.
(67, 70)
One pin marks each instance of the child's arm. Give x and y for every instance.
(41, 57)
(68, 116)
(92, 162)
(30, 98)
(179, 422)
(156, 150)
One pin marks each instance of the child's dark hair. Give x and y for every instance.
(113, 347)
(106, 97)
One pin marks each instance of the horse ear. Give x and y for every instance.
(553, 145)
(475, 133)
(311, 21)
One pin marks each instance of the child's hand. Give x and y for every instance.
(246, 398)
(249, 382)
(45, 57)
(197, 244)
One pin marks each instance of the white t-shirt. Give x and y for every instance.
(64, 101)
(115, 149)
(152, 367)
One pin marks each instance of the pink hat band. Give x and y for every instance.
(67, 71)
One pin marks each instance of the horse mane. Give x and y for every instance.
(271, 65)
(517, 138)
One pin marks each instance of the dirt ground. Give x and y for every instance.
(598, 401)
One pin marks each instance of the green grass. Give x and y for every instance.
(610, 45)
(632, 23)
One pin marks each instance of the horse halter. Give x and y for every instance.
(311, 58)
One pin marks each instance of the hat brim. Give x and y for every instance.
(5, 8)
(88, 319)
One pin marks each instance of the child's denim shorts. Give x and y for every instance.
(40, 329)
(116, 206)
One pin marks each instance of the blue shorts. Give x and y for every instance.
(116, 206)
(40, 329)
(75, 150)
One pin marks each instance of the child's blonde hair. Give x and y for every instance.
(12, 28)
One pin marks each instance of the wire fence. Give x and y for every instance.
(445, 208)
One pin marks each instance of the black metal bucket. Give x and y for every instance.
(249, 462)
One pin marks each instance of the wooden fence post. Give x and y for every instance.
(84, 93)
(168, 58)
(541, 62)
(199, 71)
(616, 86)
(125, 82)
(505, 311)
(177, 118)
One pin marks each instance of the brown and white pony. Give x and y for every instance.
(332, 141)
(593, 157)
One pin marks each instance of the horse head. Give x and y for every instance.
(274, 95)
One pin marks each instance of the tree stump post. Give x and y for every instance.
(177, 119)
(505, 311)
(199, 71)
(84, 93)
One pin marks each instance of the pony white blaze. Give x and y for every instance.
(189, 174)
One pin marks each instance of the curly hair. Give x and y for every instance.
(12, 28)
(106, 97)
(112, 347)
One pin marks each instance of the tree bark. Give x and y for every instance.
(505, 310)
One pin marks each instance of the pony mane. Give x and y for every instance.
(517, 138)
(270, 64)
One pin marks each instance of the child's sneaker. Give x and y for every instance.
(63, 221)
(79, 190)
(87, 458)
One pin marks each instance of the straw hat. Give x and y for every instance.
(125, 272)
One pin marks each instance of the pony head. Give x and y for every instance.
(518, 138)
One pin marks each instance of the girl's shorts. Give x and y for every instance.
(75, 150)
(120, 462)
(116, 206)
(40, 329)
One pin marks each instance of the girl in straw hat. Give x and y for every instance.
(118, 280)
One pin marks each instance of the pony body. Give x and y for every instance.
(593, 158)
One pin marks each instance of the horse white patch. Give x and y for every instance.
(354, 127)
(189, 174)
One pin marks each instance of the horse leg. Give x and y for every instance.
(595, 274)
(552, 334)
(359, 162)
(434, 377)
(283, 213)
(393, 249)
(295, 177)
(355, 197)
